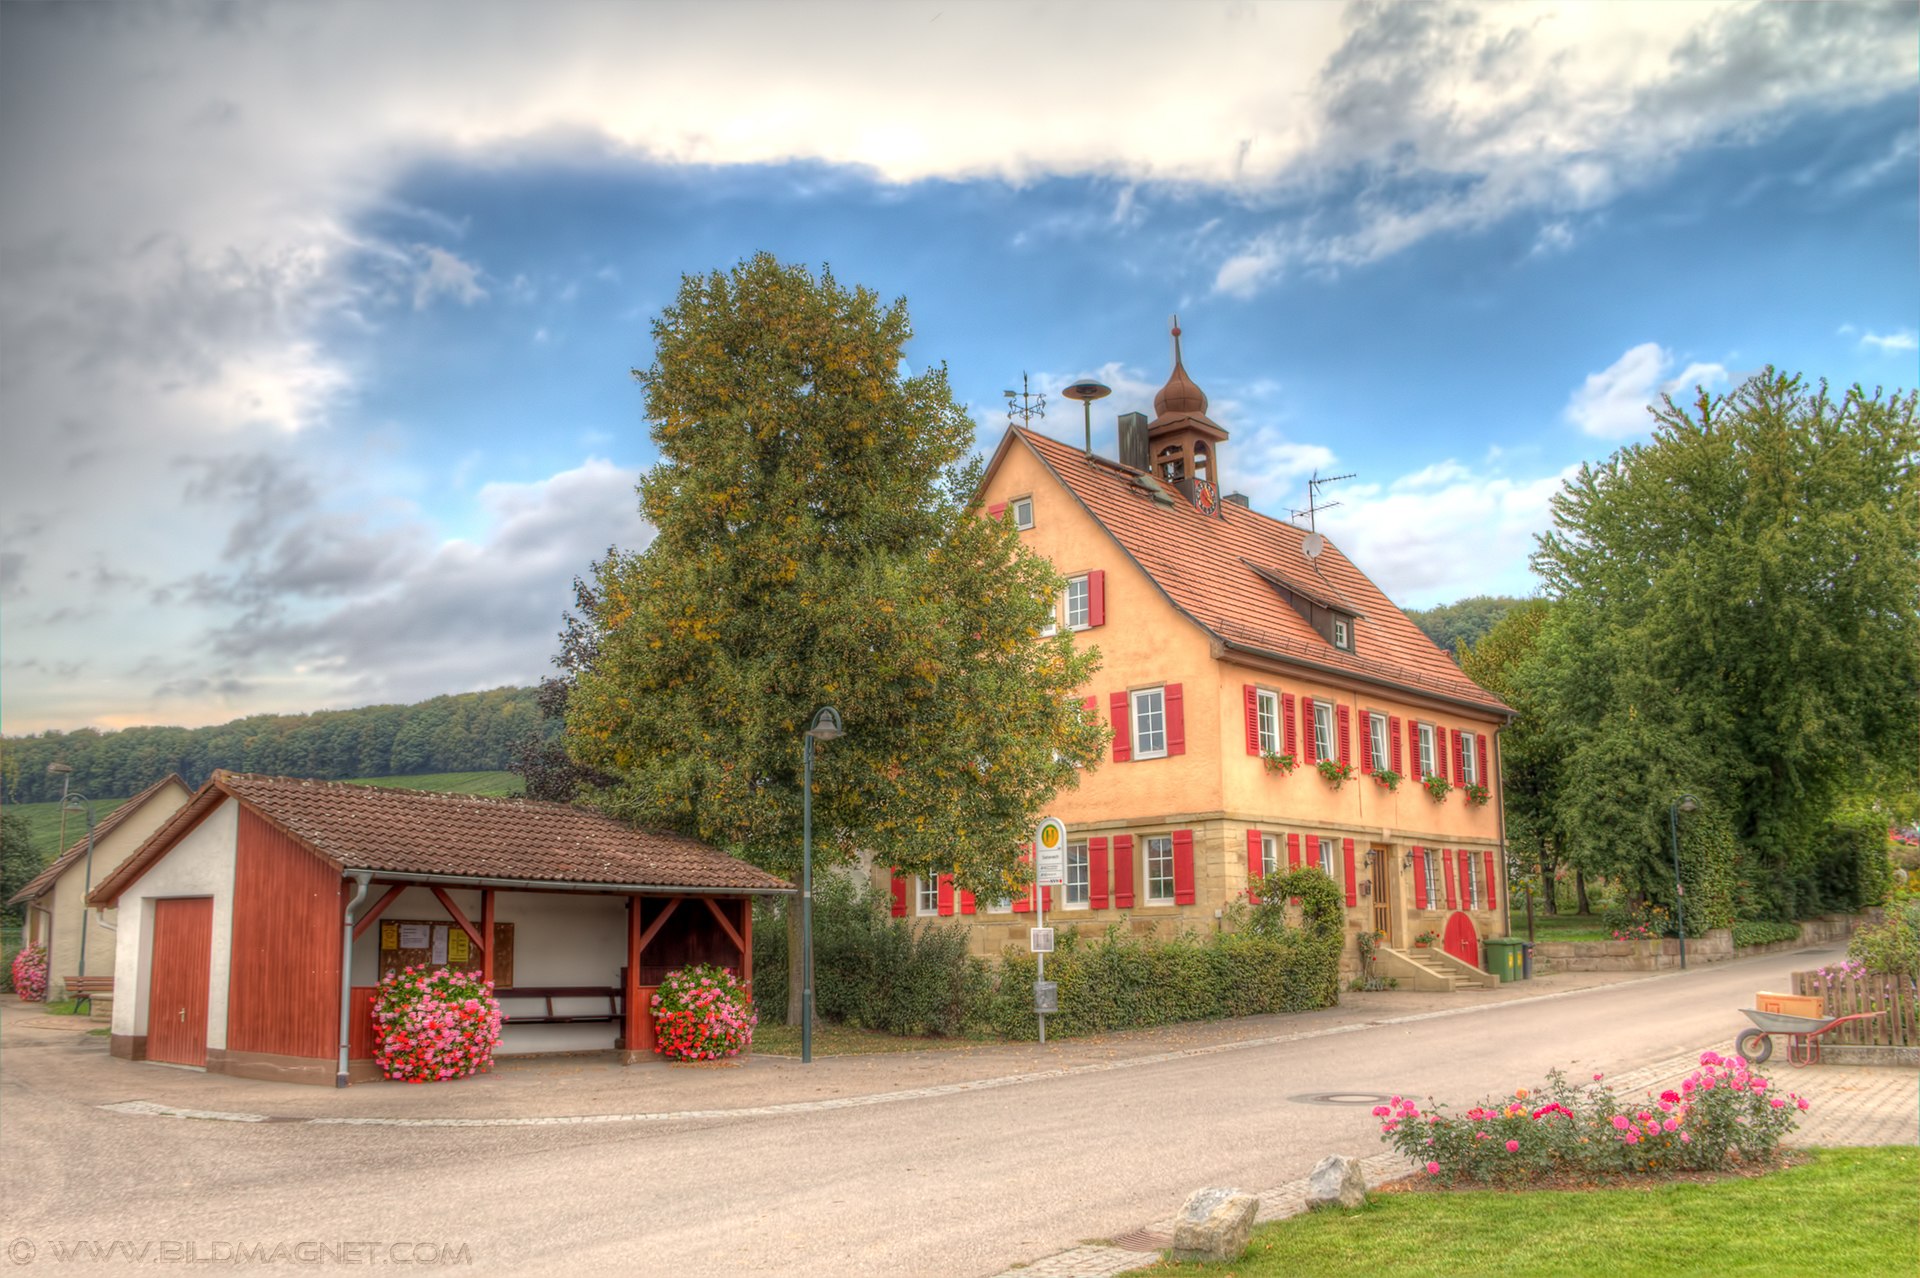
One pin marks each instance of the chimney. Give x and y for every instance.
(1133, 441)
(1240, 499)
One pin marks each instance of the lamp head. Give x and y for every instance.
(58, 769)
(826, 724)
(1689, 804)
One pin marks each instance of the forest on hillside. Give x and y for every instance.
(467, 732)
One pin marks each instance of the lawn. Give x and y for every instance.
(490, 783)
(1844, 1211)
(1561, 927)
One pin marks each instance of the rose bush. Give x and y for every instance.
(701, 1013)
(30, 973)
(1720, 1115)
(429, 1026)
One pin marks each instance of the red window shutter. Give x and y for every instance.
(1183, 867)
(946, 894)
(1446, 859)
(1023, 901)
(966, 902)
(1293, 851)
(1393, 743)
(1367, 763)
(1253, 865)
(899, 886)
(1176, 719)
(1046, 898)
(1097, 597)
(1420, 879)
(996, 510)
(1123, 871)
(1251, 695)
(1097, 874)
(1310, 744)
(1459, 758)
(1122, 729)
(1413, 751)
(1353, 878)
(1344, 732)
(1287, 724)
(1480, 745)
(1493, 900)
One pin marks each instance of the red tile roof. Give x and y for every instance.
(42, 883)
(1211, 570)
(415, 832)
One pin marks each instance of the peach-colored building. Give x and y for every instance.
(1239, 652)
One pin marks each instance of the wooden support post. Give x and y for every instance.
(446, 903)
(746, 945)
(726, 924)
(673, 903)
(366, 920)
(486, 925)
(630, 1001)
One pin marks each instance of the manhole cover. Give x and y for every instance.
(1341, 1098)
(1143, 1240)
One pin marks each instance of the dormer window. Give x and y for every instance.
(1022, 512)
(1342, 634)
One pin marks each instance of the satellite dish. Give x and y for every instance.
(1312, 544)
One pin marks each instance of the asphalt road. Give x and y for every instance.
(962, 1181)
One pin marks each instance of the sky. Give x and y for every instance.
(316, 320)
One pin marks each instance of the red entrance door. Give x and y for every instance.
(1460, 939)
(177, 994)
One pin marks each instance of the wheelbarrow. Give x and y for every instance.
(1802, 1034)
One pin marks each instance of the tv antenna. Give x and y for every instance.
(1025, 404)
(1314, 504)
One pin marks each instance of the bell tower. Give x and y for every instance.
(1183, 443)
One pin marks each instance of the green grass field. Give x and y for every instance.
(1845, 1211)
(44, 819)
(494, 783)
(1561, 927)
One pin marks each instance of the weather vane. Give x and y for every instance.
(1313, 497)
(1024, 404)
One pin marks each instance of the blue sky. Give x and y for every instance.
(318, 320)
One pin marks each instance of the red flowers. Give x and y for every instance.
(30, 973)
(432, 1026)
(702, 1013)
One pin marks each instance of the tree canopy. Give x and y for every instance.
(1461, 624)
(816, 544)
(1735, 614)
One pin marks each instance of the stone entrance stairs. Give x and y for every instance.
(1431, 969)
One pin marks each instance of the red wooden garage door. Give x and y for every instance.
(182, 958)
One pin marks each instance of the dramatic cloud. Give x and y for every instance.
(1613, 403)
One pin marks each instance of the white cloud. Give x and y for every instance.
(445, 275)
(1612, 403)
(1891, 343)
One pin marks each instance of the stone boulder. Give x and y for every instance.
(1337, 1181)
(1214, 1225)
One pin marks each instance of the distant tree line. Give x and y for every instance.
(468, 732)
(1461, 624)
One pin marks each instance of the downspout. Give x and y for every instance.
(364, 879)
(1500, 827)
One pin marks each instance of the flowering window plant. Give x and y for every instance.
(1278, 762)
(434, 1025)
(1335, 772)
(1437, 787)
(1478, 794)
(701, 1013)
(1719, 1116)
(30, 973)
(1387, 777)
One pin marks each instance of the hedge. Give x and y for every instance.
(1763, 933)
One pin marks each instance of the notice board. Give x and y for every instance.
(432, 943)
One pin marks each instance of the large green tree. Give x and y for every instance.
(1736, 615)
(816, 544)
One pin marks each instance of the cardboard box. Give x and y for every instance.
(1809, 1005)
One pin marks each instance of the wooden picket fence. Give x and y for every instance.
(1871, 992)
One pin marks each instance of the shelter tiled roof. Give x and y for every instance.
(1211, 570)
(42, 883)
(415, 832)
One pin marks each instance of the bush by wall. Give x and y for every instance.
(1764, 933)
(1892, 946)
(1850, 864)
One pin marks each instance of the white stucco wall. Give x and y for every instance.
(559, 938)
(201, 864)
(67, 900)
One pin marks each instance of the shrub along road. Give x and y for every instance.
(957, 1162)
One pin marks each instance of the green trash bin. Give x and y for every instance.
(1503, 957)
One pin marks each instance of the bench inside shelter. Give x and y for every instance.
(546, 994)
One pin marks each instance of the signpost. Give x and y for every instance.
(1049, 870)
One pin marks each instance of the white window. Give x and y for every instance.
(1000, 905)
(1053, 621)
(928, 896)
(1429, 761)
(1022, 512)
(1322, 731)
(1469, 882)
(1077, 883)
(1436, 887)
(1382, 749)
(1326, 859)
(1160, 870)
(1267, 712)
(1150, 723)
(1079, 604)
(1469, 765)
(1342, 639)
(1269, 854)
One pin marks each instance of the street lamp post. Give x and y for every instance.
(81, 803)
(825, 727)
(1685, 803)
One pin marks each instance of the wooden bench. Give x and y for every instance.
(548, 993)
(83, 988)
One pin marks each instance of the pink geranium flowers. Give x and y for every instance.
(433, 1026)
(701, 1013)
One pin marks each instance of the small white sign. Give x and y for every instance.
(415, 936)
(1040, 940)
(439, 945)
(1050, 853)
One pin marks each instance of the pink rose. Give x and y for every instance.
(1513, 1147)
(1433, 1169)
